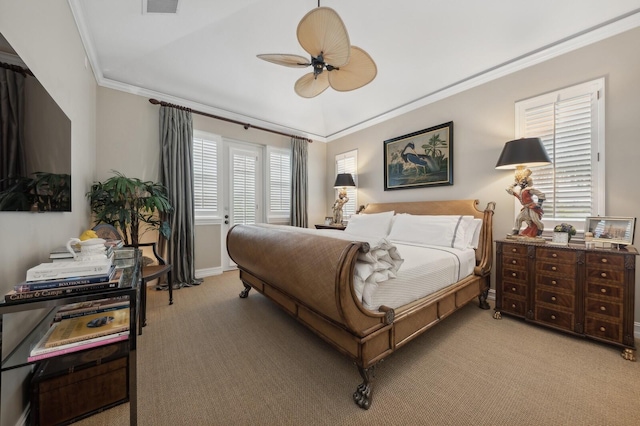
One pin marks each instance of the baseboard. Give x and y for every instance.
(636, 325)
(208, 272)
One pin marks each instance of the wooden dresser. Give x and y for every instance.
(586, 292)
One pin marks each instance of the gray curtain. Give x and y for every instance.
(12, 158)
(299, 182)
(176, 174)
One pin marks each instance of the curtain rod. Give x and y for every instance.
(245, 125)
(17, 68)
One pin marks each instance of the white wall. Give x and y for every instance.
(483, 120)
(44, 35)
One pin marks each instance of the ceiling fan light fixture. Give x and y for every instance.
(323, 35)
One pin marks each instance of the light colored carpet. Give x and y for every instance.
(215, 359)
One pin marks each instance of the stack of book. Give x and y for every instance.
(64, 278)
(81, 326)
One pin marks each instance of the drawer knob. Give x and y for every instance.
(603, 290)
(553, 298)
(554, 282)
(603, 329)
(604, 260)
(515, 262)
(553, 268)
(553, 317)
(513, 289)
(554, 255)
(513, 306)
(514, 250)
(603, 275)
(513, 274)
(602, 308)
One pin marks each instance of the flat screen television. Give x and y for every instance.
(44, 184)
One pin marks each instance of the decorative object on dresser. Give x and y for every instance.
(405, 166)
(343, 181)
(608, 231)
(562, 234)
(585, 292)
(330, 226)
(520, 154)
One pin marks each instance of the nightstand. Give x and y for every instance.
(338, 227)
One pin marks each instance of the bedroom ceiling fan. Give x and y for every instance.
(335, 61)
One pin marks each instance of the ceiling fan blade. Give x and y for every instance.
(360, 71)
(309, 85)
(294, 61)
(322, 31)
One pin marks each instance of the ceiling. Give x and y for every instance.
(204, 56)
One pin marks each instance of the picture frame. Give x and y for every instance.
(328, 220)
(419, 159)
(609, 230)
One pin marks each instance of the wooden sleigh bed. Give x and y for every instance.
(312, 278)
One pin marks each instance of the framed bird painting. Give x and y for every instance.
(419, 159)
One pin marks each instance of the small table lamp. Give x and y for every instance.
(343, 181)
(520, 154)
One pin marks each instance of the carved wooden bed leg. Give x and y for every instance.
(483, 300)
(245, 293)
(364, 392)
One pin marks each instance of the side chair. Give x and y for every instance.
(150, 269)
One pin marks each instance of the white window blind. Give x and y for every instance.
(279, 183)
(570, 123)
(244, 188)
(348, 163)
(205, 174)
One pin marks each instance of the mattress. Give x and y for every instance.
(425, 270)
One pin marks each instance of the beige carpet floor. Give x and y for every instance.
(215, 359)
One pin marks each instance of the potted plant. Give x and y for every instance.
(563, 232)
(127, 203)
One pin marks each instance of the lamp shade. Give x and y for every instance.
(343, 180)
(527, 152)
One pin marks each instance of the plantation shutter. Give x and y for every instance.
(279, 183)
(348, 163)
(567, 122)
(205, 176)
(244, 188)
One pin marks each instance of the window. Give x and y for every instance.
(279, 185)
(206, 183)
(348, 163)
(570, 123)
(244, 167)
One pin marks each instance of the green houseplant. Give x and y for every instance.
(127, 203)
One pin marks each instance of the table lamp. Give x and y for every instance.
(343, 181)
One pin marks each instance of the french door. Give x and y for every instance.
(243, 193)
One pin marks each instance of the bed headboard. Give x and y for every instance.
(484, 253)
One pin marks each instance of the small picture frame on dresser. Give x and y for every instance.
(328, 220)
(560, 239)
(608, 231)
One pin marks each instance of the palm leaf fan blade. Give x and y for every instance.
(293, 61)
(360, 70)
(322, 31)
(309, 85)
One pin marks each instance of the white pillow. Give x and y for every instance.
(439, 230)
(370, 225)
(472, 234)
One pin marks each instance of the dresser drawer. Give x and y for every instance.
(603, 290)
(557, 299)
(514, 306)
(514, 289)
(556, 318)
(514, 249)
(567, 269)
(609, 330)
(601, 307)
(512, 274)
(556, 282)
(560, 256)
(612, 276)
(514, 261)
(605, 259)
